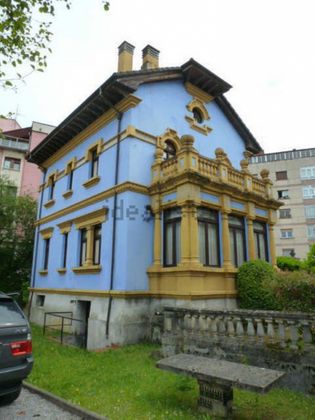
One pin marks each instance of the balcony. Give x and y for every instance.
(16, 144)
(217, 170)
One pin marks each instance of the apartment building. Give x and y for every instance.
(293, 176)
(15, 143)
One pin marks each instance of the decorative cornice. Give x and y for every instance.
(216, 186)
(126, 186)
(129, 102)
(47, 233)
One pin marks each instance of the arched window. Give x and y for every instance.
(198, 117)
(169, 150)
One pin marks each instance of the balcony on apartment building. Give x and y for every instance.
(14, 143)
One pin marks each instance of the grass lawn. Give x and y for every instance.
(124, 384)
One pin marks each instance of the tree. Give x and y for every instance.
(25, 36)
(17, 217)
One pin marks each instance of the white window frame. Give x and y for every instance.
(309, 212)
(286, 233)
(307, 172)
(311, 231)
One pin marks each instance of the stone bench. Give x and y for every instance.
(216, 379)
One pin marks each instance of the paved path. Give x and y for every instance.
(30, 406)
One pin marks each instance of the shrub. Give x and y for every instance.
(289, 263)
(309, 262)
(295, 291)
(255, 281)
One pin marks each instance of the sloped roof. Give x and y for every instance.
(120, 85)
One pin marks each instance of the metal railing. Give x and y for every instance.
(71, 331)
(14, 144)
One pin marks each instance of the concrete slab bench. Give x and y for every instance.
(216, 379)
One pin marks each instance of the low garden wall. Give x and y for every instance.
(271, 339)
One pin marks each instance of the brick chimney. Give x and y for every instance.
(150, 58)
(125, 56)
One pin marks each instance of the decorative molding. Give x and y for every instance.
(97, 145)
(129, 102)
(196, 103)
(65, 227)
(198, 93)
(130, 131)
(119, 294)
(62, 270)
(47, 233)
(88, 269)
(43, 272)
(203, 129)
(91, 181)
(70, 166)
(125, 186)
(49, 203)
(169, 134)
(199, 105)
(67, 194)
(90, 219)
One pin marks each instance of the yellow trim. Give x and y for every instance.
(198, 93)
(70, 166)
(169, 134)
(43, 272)
(47, 233)
(88, 269)
(65, 227)
(97, 145)
(125, 104)
(49, 203)
(125, 186)
(52, 177)
(91, 181)
(62, 270)
(67, 194)
(130, 131)
(196, 103)
(118, 294)
(90, 219)
(203, 129)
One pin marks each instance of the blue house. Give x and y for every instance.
(147, 201)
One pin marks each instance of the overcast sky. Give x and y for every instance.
(264, 49)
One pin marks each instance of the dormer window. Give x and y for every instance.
(198, 117)
(169, 150)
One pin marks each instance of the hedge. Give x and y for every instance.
(261, 287)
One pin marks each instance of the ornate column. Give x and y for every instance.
(227, 260)
(184, 236)
(89, 246)
(194, 236)
(157, 239)
(251, 238)
(272, 244)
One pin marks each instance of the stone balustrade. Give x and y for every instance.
(216, 171)
(293, 331)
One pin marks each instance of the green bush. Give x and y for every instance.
(255, 281)
(295, 291)
(309, 262)
(289, 263)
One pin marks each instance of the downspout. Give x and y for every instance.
(36, 248)
(113, 256)
(112, 268)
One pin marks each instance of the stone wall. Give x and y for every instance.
(276, 340)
